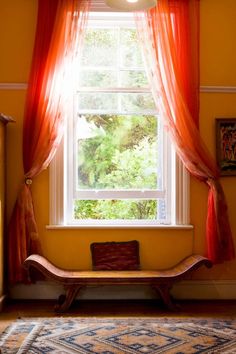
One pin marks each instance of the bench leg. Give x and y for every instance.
(164, 291)
(66, 300)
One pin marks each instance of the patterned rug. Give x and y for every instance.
(119, 336)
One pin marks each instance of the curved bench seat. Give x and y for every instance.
(74, 280)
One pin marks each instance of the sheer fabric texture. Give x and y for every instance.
(60, 25)
(169, 34)
(170, 38)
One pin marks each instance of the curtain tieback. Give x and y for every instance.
(28, 181)
(211, 181)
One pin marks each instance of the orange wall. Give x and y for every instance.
(159, 248)
(2, 199)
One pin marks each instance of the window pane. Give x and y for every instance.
(100, 47)
(116, 209)
(137, 102)
(133, 78)
(119, 102)
(130, 49)
(98, 101)
(117, 152)
(98, 78)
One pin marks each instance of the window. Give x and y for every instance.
(116, 166)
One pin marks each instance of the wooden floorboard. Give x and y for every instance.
(197, 309)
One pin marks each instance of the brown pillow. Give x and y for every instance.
(115, 255)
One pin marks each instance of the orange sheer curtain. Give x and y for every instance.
(169, 34)
(59, 30)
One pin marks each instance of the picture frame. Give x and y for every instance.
(226, 146)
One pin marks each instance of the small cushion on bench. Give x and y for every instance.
(115, 255)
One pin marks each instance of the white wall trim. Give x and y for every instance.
(182, 194)
(56, 188)
(13, 86)
(207, 89)
(218, 89)
(189, 289)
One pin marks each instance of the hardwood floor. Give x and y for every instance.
(197, 309)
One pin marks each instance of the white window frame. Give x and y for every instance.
(177, 191)
(58, 207)
(115, 194)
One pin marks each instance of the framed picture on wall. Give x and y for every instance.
(226, 145)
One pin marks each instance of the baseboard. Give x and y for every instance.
(205, 290)
(191, 289)
(2, 302)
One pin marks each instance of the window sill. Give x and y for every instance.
(119, 226)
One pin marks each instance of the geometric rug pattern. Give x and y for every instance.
(119, 336)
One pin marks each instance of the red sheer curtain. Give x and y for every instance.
(169, 34)
(60, 25)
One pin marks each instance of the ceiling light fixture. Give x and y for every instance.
(131, 5)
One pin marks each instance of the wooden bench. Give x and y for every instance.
(73, 280)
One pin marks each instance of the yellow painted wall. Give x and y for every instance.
(159, 248)
(2, 200)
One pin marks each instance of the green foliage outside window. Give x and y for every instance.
(115, 209)
(121, 151)
(122, 156)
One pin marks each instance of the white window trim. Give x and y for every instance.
(58, 177)
(182, 195)
(180, 208)
(70, 193)
(56, 188)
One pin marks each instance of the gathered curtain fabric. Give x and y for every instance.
(60, 25)
(169, 34)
